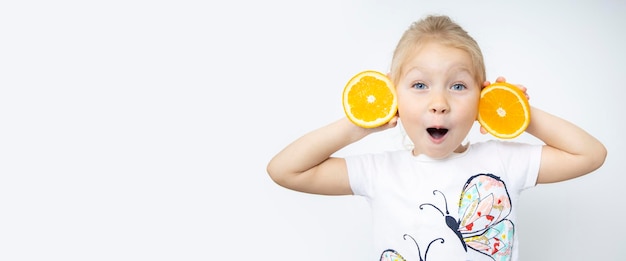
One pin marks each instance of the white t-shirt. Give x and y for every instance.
(459, 208)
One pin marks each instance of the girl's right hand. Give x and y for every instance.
(389, 125)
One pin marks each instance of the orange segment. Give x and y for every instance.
(369, 99)
(503, 110)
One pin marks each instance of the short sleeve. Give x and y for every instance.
(360, 174)
(521, 162)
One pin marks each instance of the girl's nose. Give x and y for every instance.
(439, 104)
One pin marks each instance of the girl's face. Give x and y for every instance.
(437, 99)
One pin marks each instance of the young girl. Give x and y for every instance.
(442, 200)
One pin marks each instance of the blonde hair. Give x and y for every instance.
(442, 29)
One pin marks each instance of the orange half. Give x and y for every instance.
(503, 110)
(369, 99)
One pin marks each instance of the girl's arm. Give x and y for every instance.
(306, 164)
(569, 151)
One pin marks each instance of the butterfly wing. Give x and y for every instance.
(391, 255)
(484, 202)
(496, 242)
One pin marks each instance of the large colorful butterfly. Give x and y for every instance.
(483, 208)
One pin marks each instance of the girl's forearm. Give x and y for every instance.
(570, 151)
(313, 148)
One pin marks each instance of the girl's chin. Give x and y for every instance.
(441, 152)
(433, 154)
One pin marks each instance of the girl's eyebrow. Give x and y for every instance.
(460, 69)
(411, 71)
(453, 70)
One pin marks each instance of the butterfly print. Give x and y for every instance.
(483, 208)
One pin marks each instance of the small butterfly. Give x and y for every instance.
(483, 208)
(392, 255)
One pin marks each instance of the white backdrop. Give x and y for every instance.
(140, 130)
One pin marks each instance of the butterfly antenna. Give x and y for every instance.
(428, 247)
(419, 253)
(445, 200)
(435, 207)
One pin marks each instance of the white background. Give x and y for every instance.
(140, 130)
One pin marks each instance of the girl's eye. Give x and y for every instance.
(419, 86)
(458, 87)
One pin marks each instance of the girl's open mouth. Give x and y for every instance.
(437, 133)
